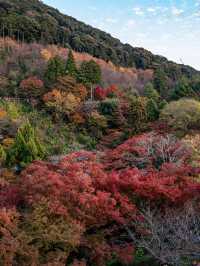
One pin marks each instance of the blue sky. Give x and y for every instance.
(167, 27)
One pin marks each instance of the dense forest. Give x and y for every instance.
(31, 20)
(99, 159)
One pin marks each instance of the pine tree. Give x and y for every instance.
(26, 148)
(160, 82)
(55, 69)
(151, 93)
(182, 89)
(90, 73)
(137, 115)
(152, 110)
(70, 68)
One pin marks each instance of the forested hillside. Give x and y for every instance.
(99, 162)
(31, 20)
(94, 172)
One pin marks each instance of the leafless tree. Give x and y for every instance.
(170, 236)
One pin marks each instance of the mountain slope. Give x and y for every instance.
(31, 20)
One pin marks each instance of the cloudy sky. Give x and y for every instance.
(167, 27)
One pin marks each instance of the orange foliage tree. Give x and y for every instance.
(32, 87)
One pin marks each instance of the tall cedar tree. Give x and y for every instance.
(55, 69)
(151, 93)
(160, 82)
(90, 73)
(70, 68)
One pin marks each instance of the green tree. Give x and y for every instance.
(55, 69)
(137, 115)
(90, 72)
(111, 109)
(182, 89)
(26, 148)
(152, 110)
(151, 93)
(2, 155)
(160, 82)
(182, 115)
(70, 68)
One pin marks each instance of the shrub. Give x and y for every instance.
(97, 124)
(11, 109)
(193, 142)
(4, 85)
(2, 155)
(73, 209)
(100, 93)
(183, 89)
(87, 141)
(112, 109)
(146, 151)
(8, 127)
(32, 87)
(3, 114)
(108, 106)
(61, 102)
(69, 85)
(182, 115)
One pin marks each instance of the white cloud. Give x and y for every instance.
(197, 14)
(138, 11)
(151, 9)
(176, 11)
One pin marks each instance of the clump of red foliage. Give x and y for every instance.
(79, 207)
(149, 150)
(102, 93)
(31, 83)
(76, 186)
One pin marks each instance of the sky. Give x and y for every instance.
(166, 27)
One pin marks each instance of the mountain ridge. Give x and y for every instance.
(35, 21)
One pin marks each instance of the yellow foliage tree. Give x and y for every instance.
(46, 54)
(62, 102)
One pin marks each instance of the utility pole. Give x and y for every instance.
(91, 92)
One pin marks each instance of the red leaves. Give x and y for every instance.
(89, 205)
(32, 86)
(147, 151)
(155, 185)
(76, 186)
(31, 83)
(125, 253)
(9, 194)
(101, 93)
